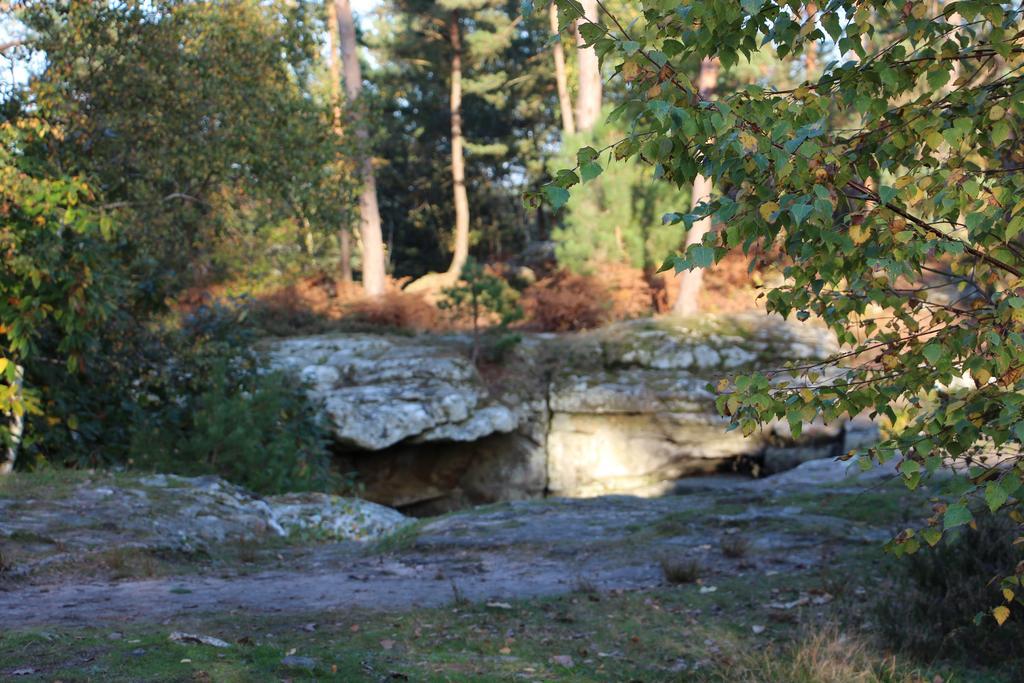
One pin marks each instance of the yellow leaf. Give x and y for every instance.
(1001, 613)
(630, 70)
(767, 210)
(723, 384)
(3, 364)
(919, 10)
(807, 395)
(996, 113)
(1008, 594)
(748, 141)
(859, 234)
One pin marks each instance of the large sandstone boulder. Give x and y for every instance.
(379, 391)
(641, 416)
(624, 409)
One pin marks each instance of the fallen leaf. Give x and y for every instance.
(562, 660)
(505, 650)
(27, 671)
(499, 605)
(387, 644)
(757, 629)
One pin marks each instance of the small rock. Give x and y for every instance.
(197, 639)
(563, 660)
(757, 629)
(299, 662)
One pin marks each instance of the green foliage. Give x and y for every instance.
(180, 111)
(618, 218)
(56, 287)
(142, 155)
(258, 432)
(214, 408)
(510, 122)
(480, 293)
(892, 185)
(942, 591)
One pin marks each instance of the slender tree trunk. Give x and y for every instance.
(461, 246)
(17, 427)
(691, 281)
(811, 49)
(369, 211)
(334, 62)
(588, 101)
(561, 80)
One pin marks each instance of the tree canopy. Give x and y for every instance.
(892, 184)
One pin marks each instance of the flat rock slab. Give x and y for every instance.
(500, 553)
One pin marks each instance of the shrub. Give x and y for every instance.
(213, 408)
(565, 302)
(943, 589)
(401, 310)
(258, 432)
(478, 295)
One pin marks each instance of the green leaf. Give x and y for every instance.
(933, 352)
(590, 170)
(700, 256)
(557, 196)
(800, 212)
(956, 515)
(995, 495)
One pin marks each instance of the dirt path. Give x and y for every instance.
(496, 554)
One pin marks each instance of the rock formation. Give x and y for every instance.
(624, 409)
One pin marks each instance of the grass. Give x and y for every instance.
(666, 634)
(888, 503)
(678, 571)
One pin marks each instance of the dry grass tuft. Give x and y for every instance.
(735, 546)
(680, 571)
(825, 656)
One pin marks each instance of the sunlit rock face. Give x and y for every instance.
(642, 416)
(377, 392)
(625, 409)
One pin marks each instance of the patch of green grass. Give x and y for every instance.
(678, 633)
(402, 539)
(889, 503)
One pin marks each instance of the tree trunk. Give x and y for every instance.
(461, 246)
(561, 80)
(369, 212)
(588, 101)
(811, 49)
(17, 427)
(691, 281)
(334, 62)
